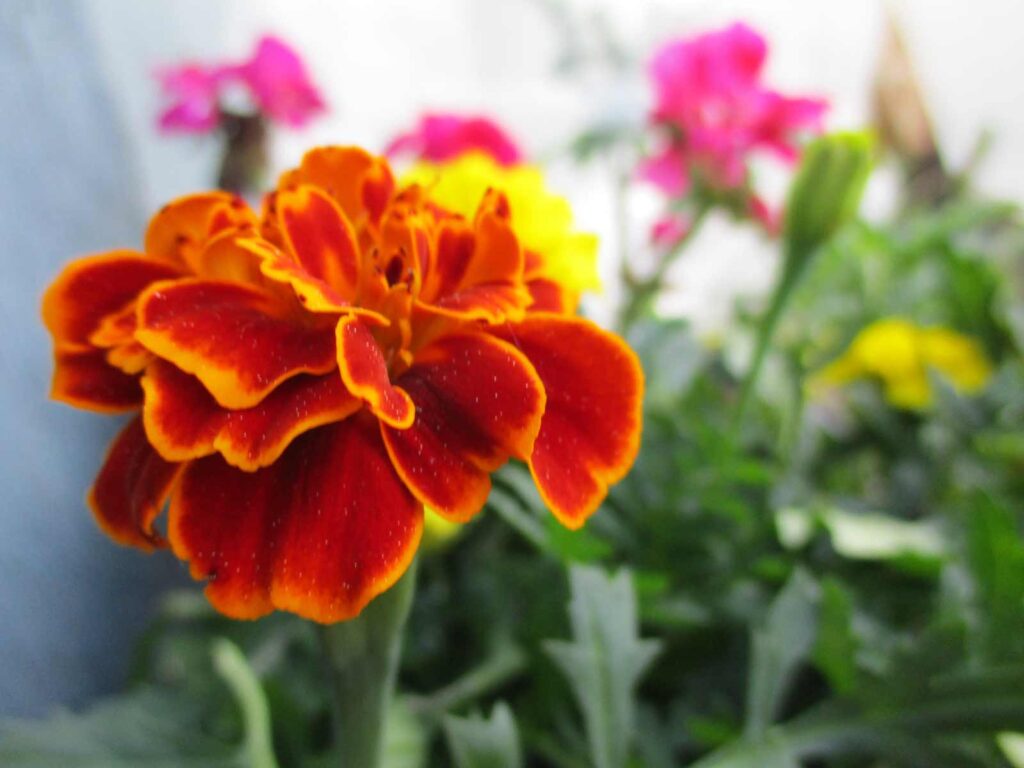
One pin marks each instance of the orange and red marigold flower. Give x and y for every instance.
(311, 376)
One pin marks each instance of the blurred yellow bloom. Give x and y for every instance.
(542, 219)
(438, 532)
(899, 354)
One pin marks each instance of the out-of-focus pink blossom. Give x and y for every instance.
(274, 76)
(768, 217)
(670, 230)
(713, 112)
(667, 171)
(193, 91)
(442, 136)
(280, 84)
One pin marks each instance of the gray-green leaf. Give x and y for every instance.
(478, 742)
(605, 659)
(779, 645)
(144, 729)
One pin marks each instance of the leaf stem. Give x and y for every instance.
(765, 333)
(233, 668)
(835, 728)
(505, 663)
(641, 292)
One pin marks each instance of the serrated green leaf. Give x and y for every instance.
(863, 535)
(996, 559)
(836, 648)
(779, 645)
(405, 741)
(767, 752)
(478, 742)
(605, 660)
(145, 729)
(1012, 745)
(931, 728)
(877, 536)
(234, 669)
(153, 728)
(576, 546)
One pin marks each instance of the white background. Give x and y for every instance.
(379, 62)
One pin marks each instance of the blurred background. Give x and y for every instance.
(82, 165)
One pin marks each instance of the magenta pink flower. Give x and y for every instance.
(280, 84)
(442, 136)
(274, 77)
(194, 91)
(768, 217)
(712, 112)
(669, 230)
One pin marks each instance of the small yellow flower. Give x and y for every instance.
(438, 532)
(542, 219)
(899, 354)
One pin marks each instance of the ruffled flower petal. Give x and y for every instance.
(89, 289)
(478, 274)
(542, 219)
(548, 296)
(590, 433)
(320, 240)
(85, 379)
(116, 334)
(233, 337)
(365, 373)
(184, 422)
(478, 402)
(320, 532)
(182, 228)
(131, 488)
(360, 183)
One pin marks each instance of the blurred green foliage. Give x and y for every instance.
(836, 583)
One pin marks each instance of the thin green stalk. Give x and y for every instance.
(505, 664)
(765, 334)
(825, 194)
(789, 434)
(362, 657)
(641, 292)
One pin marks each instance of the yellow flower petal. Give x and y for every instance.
(900, 354)
(541, 219)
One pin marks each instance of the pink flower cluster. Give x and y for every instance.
(712, 112)
(443, 136)
(274, 76)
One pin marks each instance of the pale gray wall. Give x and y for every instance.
(71, 602)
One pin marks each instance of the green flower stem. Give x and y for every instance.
(246, 158)
(362, 656)
(765, 333)
(825, 195)
(640, 293)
